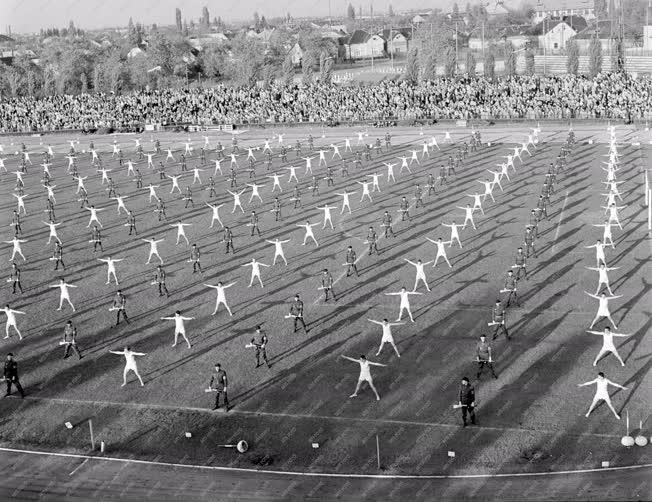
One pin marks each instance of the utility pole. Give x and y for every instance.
(455, 46)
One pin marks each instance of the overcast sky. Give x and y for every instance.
(32, 15)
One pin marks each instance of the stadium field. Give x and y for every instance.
(530, 419)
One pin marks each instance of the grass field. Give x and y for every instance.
(531, 418)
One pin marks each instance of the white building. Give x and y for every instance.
(587, 13)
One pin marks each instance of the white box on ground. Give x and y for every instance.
(68, 425)
(188, 434)
(315, 445)
(451, 454)
(605, 464)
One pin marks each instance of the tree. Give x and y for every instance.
(350, 12)
(490, 66)
(450, 62)
(97, 79)
(390, 10)
(31, 83)
(470, 64)
(83, 80)
(71, 29)
(134, 34)
(287, 72)
(573, 57)
(529, 62)
(595, 57)
(256, 20)
(185, 28)
(510, 59)
(263, 22)
(429, 65)
(178, 18)
(456, 9)
(412, 66)
(205, 18)
(307, 63)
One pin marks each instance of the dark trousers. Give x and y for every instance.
(162, 287)
(352, 267)
(329, 290)
(217, 399)
(512, 294)
(196, 266)
(97, 243)
(56, 265)
(482, 364)
(388, 230)
(529, 247)
(519, 271)
(419, 202)
(373, 247)
(124, 316)
(229, 244)
(17, 283)
(405, 214)
(502, 328)
(298, 320)
(132, 228)
(74, 348)
(14, 380)
(255, 227)
(471, 412)
(261, 352)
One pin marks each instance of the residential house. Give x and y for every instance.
(362, 45)
(421, 18)
(397, 43)
(553, 34)
(296, 54)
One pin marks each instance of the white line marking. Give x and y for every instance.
(305, 415)
(77, 468)
(561, 215)
(328, 474)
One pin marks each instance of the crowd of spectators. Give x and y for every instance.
(609, 95)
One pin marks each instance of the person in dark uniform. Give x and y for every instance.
(404, 208)
(483, 354)
(372, 240)
(219, 384)
(253, 223)
(510, 289)
(96, 238)
(120, 304)
(259, 342)
(418, 195)
(11, 375)
(467, 401)
(70, 341)
(528, 239)
(534, 223)
(160, 209)
(327, 284)
(228, 239)
(139, 179)
(131, 221)
(296, 311)
(350, 262)
(387, 224)
(58, 256)
(520, 264)
(195, 254)
(15, 222)
(159, 278)
(14, 278)
(498, 318)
